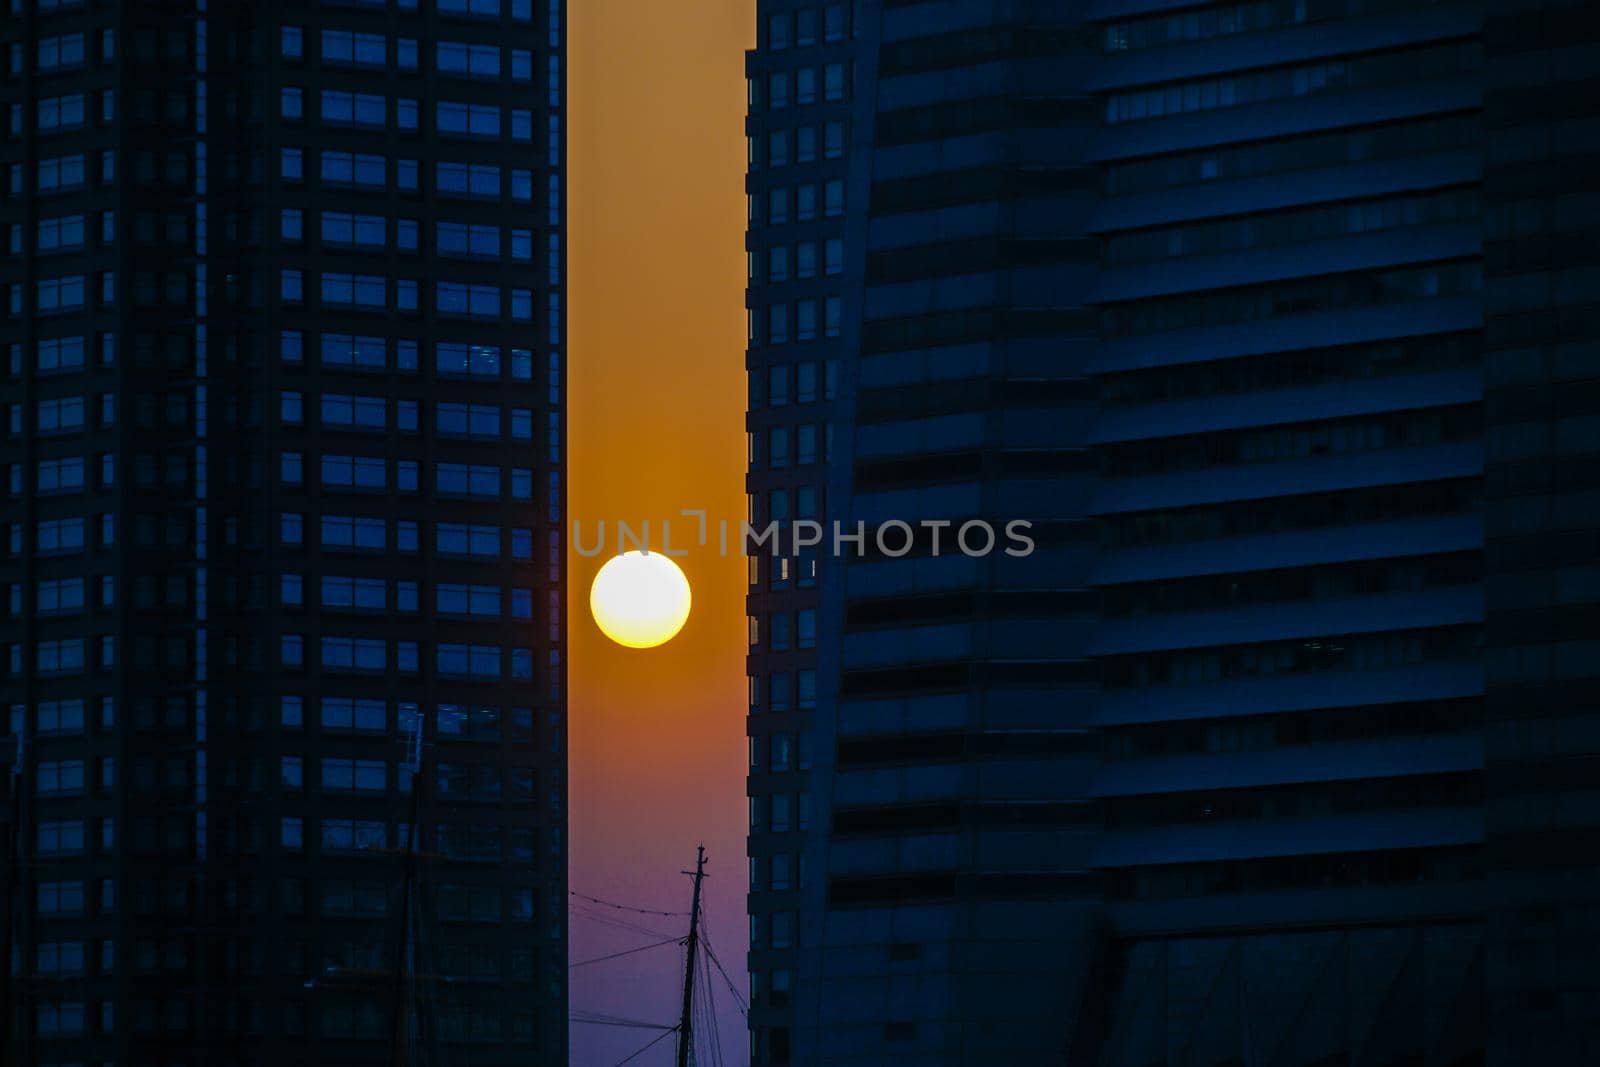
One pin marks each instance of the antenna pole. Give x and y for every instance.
(685, 1021)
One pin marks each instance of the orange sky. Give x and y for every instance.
(656, 424)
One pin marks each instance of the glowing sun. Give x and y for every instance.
(640, 599)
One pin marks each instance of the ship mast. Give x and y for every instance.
(686, 1020)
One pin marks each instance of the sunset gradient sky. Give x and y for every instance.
(656, 402)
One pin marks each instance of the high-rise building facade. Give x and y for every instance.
(1270, 317)
(283, 384)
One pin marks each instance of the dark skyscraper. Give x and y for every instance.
(283, 384)
(1276, 320)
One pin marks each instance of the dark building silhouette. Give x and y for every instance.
(283, 380)
(1277, 320)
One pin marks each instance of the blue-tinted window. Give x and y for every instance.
(339, 227)
(364, 715)
(354, 472)
(521, 484)
(60, 355)
(522, 663)
(476, 661)
(466, 539)
(354, 594)
(483, 9)
(458, 599)
(61, 112)
(467, 301)
(468, 240)
(358, 49)
(354, 654)
(468, 60)
(54, 296)
(353, 531)
(476, 421)
(467, 479)
(360, 290)
(468, 120)
(60, 173)
(351, 168)
(353, 109)
(62, 234)
(354, 352)
(467, 361)
(347, 411)
(475, 180)
(61, 53)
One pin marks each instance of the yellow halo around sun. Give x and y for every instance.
(640, 599)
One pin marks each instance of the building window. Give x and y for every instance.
(467, 120)
(468, 60)
(354, 109)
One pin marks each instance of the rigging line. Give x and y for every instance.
(652, 1043)
(711, 1004)
(626, 952)
(592, 1015)
(618, 1022)
(581, 912)
(738, 997)
(705, 1025)
(625, 907)
(636, 932)
(733, 987)
(705, 1020)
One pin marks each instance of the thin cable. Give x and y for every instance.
(623, 924)
(711, 1003)
(625, 907)
(709, 1012)
(653, 1042)
(583, 912)
(738, 997)
(626, 952)
(612, 1020)
(697, 1012)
